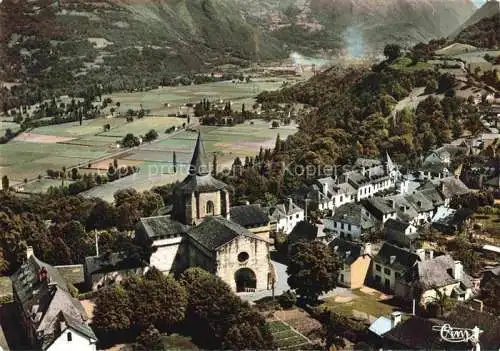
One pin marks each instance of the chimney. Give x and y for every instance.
(367, 249)
(29, 252)
(290, 203)
(395, 318)
(458, 270)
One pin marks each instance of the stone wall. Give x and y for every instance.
(258, 261)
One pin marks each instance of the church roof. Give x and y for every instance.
(199, 178)
(249, 215)
(199, 162)
(201, 184)
(215, 232)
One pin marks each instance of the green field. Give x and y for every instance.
(14, 127)
(155, 159)
(155, 100)
(30, 157)
(405, 64)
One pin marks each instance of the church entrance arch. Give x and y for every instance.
(246, 281)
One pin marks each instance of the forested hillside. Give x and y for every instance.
(483, 34)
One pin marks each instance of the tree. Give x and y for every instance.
(112, 311)
(5, 183)
(392, 52)
(275, 124)
(217, 318)
(490, 292)
(174, 161)
(130, 141)
(151, 135)
(214, 165)
(312, 269)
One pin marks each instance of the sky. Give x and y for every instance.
(479, 3)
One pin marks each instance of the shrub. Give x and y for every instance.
(287, 299)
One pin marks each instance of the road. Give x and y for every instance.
(282, 286)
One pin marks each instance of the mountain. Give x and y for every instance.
(483, 34)
(69, 43)
(489, 9)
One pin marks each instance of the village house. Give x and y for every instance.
(52, 319)
(350, 221)
(203, 231)
(441, 275)
(439, 163)
(399, 232)
(380, 208)
(390, 264)
(284, 217)
(368, 178)
(356, 262)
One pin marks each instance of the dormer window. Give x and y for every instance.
(69, 336)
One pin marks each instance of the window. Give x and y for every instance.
(69, 336)
(243, 257)
(210, 208)
(377, 268)
(342, 278)
(387, 271)
(342, 226)
(349, 227)
(297, 215)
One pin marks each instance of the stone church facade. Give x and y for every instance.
(199, 233)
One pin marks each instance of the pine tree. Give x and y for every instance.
(174, 161)
(277, 145)
(214, 165)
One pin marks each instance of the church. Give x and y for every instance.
(199, 233)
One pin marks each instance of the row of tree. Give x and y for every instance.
(198, 304)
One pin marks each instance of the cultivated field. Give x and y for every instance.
(155, 100)
(155, 160)
(69, 144)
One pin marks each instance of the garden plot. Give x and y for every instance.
(286, 338)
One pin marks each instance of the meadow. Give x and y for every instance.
(69, 144)
(155, 160)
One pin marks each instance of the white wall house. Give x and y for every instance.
(74, 340)
(284, 217)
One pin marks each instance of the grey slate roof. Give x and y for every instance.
(303, 231)
(161, 226)
(42, 300)
(380, 204)
(396, 225)
(403, 259)
(199, 162)
(110, 262)
(215, 232)
(355, 214)
(437, 272)
(341, 247)
(249, 215)
(452, 186)
(201, 184)
(367, 162)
